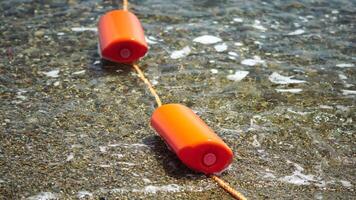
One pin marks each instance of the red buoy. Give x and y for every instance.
(195, 144)
(121, 37)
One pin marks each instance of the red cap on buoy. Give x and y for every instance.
(196, 145)
(121, 37)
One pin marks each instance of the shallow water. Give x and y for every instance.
(277, 84)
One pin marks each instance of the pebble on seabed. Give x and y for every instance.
(82, 29)
(52, 74)
(238, 20)
(238, 76)
(220, 47)
(348, 92)
(257, 25)
(181, 53)
(297, 32)
(252, 62)
(151, 40)
(283, 80)
(345, 65)
(207, 39)
(214, 71)
(293, 90)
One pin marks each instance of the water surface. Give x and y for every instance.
(277, 84)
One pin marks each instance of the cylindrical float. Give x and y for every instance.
(195, 144)
(121, 37)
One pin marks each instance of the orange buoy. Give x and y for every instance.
(196, 145)
(121, 37)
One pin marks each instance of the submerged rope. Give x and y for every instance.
(148, 83)
(125, 4)
(234, 193)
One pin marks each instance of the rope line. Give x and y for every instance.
(234, 193)
(148, 83)
(125, 4)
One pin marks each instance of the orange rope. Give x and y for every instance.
(125, 4)
(234, 193)
(149, 85)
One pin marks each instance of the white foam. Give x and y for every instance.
(181, 53)
(82, 29)
(252, 62)
(220, 47)
(279, 79)
(348, 92)
(78, 72)
(269, 175)
(84, 194)
(44, 196)
(345, 65)
(207, 39)
(257, 25)
(52, 74)
(298, 178)
(297, 32)
(293, 90)
(60, 33)
(238, 76)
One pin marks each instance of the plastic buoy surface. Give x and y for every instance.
(121, 37)
(196, 145)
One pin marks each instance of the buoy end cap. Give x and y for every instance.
(209, 159)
